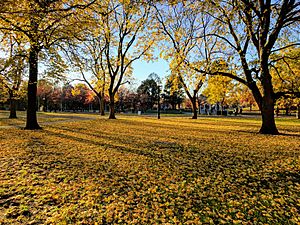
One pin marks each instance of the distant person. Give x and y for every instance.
(236, 110)
(207, 109)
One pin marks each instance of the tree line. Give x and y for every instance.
(254, 43)
(55, 96)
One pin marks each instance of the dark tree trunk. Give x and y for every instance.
(112, 114)
(194, 108)
(45, 105)
(102, 106)
(298, 111)
(268, 119)
(173, 106)
(287, 111)
(12, 106)
(267, 103)
(31, 122)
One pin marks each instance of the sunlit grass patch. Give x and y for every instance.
(140, 170)
(43, 117)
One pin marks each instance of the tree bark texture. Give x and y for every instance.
(112, 114)
(268, 102)
(102, 106)
(194, 108)
(12, 106)
(31, 120)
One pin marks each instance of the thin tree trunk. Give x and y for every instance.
(287, 111)
(31, 121)
(12, 106)
(298, 111)
(102, 105)
(173, 106)
(194, 108)
(112, 114)
(45, 104)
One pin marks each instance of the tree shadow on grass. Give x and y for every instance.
(175, 155)
(290, 135)
(280, 134)
(132, 150)
(167, 153)
(161, 153)
(272, 181)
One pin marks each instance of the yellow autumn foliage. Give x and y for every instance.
(140, 170)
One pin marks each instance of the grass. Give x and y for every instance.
(140, 170)
(43, 117)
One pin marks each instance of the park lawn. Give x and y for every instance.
(140, 170)
(43, 117)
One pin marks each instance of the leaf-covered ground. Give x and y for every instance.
(44, 118)
(146, 171)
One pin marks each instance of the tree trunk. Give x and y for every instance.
(199, 106)
(45, 104)
(173, 106)
(287, 111)
(102, 107)
(268, 117)
(12, 106)
(298, 112)
(265, 102)
(268, 103)
(194, 108)
(112, 114)
(31, 121)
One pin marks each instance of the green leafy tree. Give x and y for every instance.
(148, 90)
(173, 93)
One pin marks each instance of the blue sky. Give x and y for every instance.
(142, 69)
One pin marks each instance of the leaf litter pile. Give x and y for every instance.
(145, 171)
